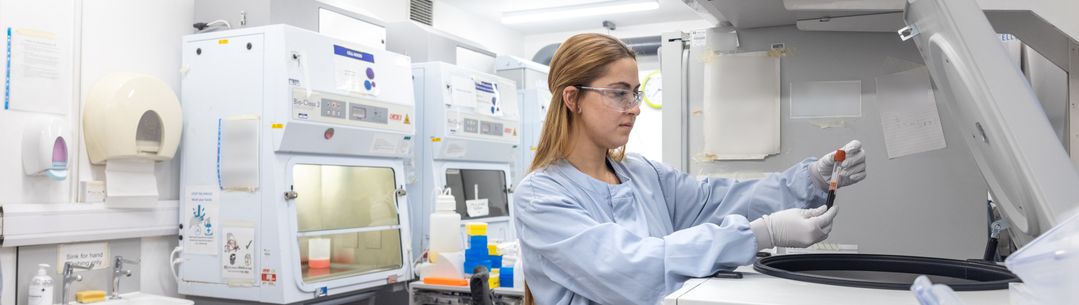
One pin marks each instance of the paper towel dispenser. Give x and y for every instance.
(45, 149)
(131, 115)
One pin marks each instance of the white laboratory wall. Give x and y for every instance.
(492, 35)
(117, 35)
(54, 16)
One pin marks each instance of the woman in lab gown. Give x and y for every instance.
(599, 226)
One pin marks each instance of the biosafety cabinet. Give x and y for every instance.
(294, 167)
(470, 128)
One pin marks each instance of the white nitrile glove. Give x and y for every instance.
(796, 228)
(853, 167)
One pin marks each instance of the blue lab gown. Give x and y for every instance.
(585, 241)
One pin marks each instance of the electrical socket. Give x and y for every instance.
(91, 191)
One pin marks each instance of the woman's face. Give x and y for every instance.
(607, 115)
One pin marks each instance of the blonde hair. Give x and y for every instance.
(580, 60)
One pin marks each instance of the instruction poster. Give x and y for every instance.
(487, 99)
(201, 228)
(352, 70)
(34, 78)
(238, 255)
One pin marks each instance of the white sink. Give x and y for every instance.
(138, 298)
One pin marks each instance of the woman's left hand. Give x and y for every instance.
(853, 166)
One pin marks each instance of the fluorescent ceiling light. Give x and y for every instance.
(579, 10)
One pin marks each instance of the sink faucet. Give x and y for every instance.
(117, 271)
(70, 276)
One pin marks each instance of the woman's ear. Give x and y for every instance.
(569, 97)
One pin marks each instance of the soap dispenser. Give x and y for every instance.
(45, 149)
(41, 287)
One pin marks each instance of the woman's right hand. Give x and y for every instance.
(797, 228)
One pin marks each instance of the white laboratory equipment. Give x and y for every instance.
(534, 97)
(1026, 168)
(469, 129)
(296, 155)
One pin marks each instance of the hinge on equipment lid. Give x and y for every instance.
(401, 191)
(908, 32)
(1, 225)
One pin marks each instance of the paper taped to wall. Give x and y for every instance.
(238, 259)
(238, 162)
(35, 62)
(202, 228)
(908, 113)
(741, 106)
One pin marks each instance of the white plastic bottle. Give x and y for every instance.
(445, 226)
(41, 287)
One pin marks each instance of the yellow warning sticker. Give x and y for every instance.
(436, 139)
(223, 41)
(407, 121)
(277, 125)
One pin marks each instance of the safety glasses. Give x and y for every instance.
(618, 99)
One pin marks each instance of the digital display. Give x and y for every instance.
(368, 113)
(491, 128)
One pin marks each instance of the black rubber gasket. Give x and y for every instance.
(988, 276)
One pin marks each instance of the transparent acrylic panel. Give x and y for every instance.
(491, 185)
(332, 197)
(349, 254)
